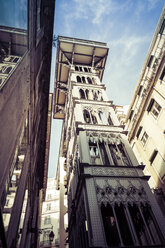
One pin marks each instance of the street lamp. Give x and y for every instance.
(51, 236)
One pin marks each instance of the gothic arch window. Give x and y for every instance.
(80, 68)
(76, 68)
(102, 117)
(110, 122)
(115, 154)
(87, 117)
(82, 94)
(93, 80)
(110, 226)
(94, 119)
(7, 71)
(83, 80)
(123, 155)
(94, 152)
(95, 96)
(103, 152)
(85, 69)
(87, 93)
(89, 80)
(78, 79)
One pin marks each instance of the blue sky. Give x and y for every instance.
(13, 13)
(126, 25)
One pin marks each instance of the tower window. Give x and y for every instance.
(76, 68)
(78, 79)
(94, 153)
(140, 90)
(82, 94)
(80, 68)
(110, 120)
(110, 227)
(87, 116)
(131, 114)
(83, 80)
(89, 80)
(94, 119)
(85, 69)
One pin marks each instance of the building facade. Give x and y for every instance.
(109, 201)
(25, 60)
(50, 216)
(146, 115)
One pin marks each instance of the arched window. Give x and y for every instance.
(87, 93)
(76, 68)
(82, 94)
(89, 69)
(110, 120)
(80, 68)
(110, 227)
(15, 60)
(87, 116)
(8, 69)
(89, 80)
(99, 95)
(94, 119)
(93, 80)
(85, 69)
(95, 97)
(78, 79)
(83, 80)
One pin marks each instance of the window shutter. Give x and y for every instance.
(131, 114)
(150, 105)
(162, 75)
(139, 131)
(162, 27)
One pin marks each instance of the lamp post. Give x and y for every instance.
(51, 236)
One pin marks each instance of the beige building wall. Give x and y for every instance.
(146, 115)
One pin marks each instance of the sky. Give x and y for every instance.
(127, 26)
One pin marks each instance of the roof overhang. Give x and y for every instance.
(71, 51)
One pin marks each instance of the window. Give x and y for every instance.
(78, 79)
(94, 119)
(140, 89)
(94, 153)
(110, 120)
(153, 156)
(49, 197)
(110, 227)
(80, 68)
(76, 68)
(131, 114)
(162, 27)
(144, 138)
(85, 69)
(154, 108)
(138, 132)
(48, 206)
(7, 71)
(103, 153)
(150, 61)
(47, 220)
(162, 74)
(83, 80)
(119, 155)
(87, 116)
(82, 94)
(89, 80)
